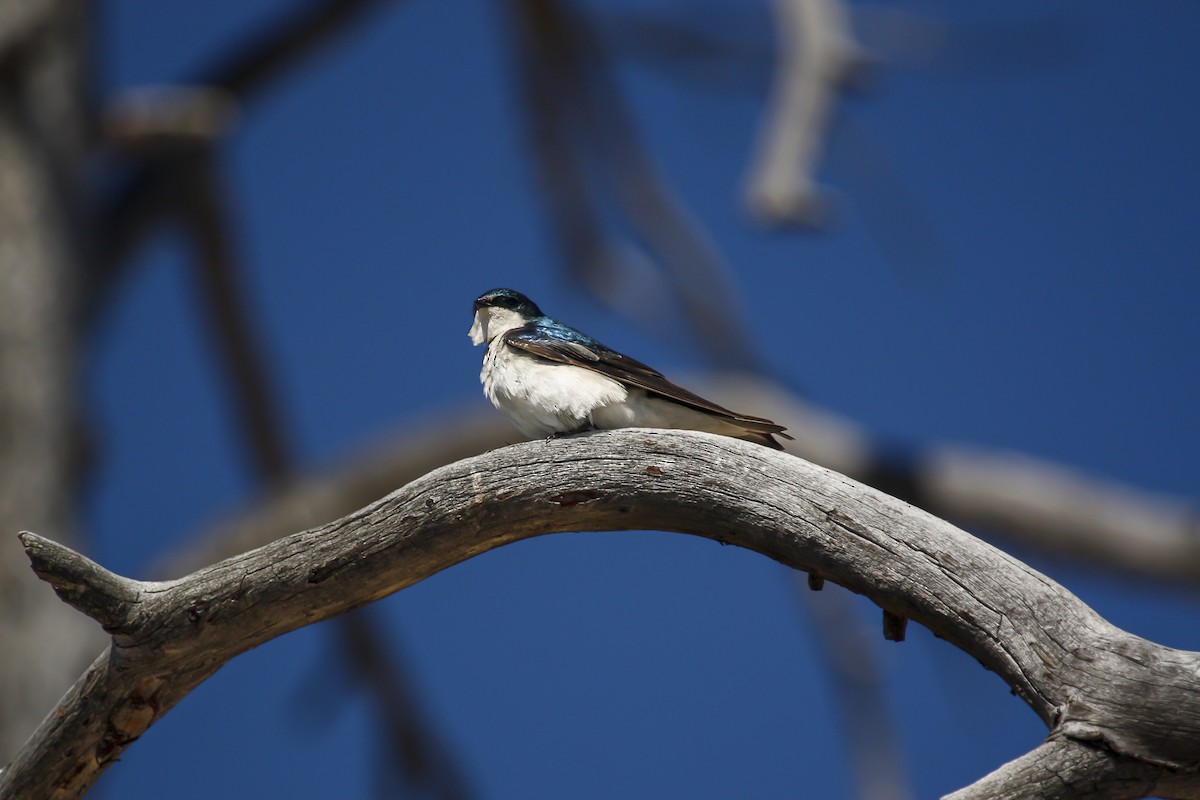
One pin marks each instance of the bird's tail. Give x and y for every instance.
(765, 439)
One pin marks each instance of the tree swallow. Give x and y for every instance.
(552, 380)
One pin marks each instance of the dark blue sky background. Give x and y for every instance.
(385, 185)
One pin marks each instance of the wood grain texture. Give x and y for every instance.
(1042, 507)
(1123, 698)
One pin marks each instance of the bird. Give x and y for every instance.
(552, 380)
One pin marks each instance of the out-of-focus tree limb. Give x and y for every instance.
(718, 48)
(22, 22)
(163, 131)
(426, 769)
(283, 43)
(1055, 509)
(1134, 702)
(875, 755)
(43, 120)
(200, 109)
(722, 46)
(218, 272)
(575, 221)
(818, 57)
(582, 129)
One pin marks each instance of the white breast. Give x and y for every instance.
(541, 397)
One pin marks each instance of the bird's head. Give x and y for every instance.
(499, 311)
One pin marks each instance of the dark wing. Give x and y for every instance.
(556, 342)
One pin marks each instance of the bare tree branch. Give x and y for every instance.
(177, 131)
(575, 108)
(281, 44)
(718, 48)
(175, 134)
(818, 56)
(586, 248)
(408, 736)
(152, 190)
(1067, 769)
(19, 22)
(875, 754)
(218, 274)
(307, 501)
(1045, 507)
(163, 130)
(1038, 504)
(1089, 681)
(42, 139)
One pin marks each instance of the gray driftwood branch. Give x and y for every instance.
(1037, 504)
(1123, 713)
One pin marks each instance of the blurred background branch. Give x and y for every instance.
(817, 58)
(43, 139)
(581, 130)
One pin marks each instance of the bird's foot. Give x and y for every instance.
(564, 434)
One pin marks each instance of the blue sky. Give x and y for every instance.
(385, 185)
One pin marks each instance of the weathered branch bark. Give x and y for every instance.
(82, 583)
(1068, 769)
(312, 500)
(1046, 507)
(1088, 680)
